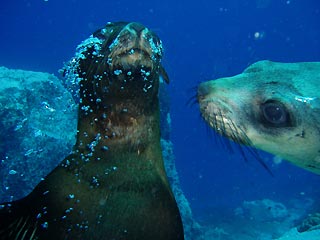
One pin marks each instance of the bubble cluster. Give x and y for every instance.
(71, 69)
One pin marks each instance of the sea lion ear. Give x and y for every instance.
(163, 74)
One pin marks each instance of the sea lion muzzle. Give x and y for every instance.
(126, 66)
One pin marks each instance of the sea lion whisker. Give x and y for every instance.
(233, 132)
(211, 134)
(192, 100)
(219, 135)
(11, 229)
(209, 131)
(21, 228)
(251, 149)
(222, 125)
(33, 232)
(244, 142)
(247, 142)
(193, 89)
(257, 156)
(242, 139)
(237, 139)
(242, 152)
(18, 224)
(227, 144)
(223, 130)
(24, 234)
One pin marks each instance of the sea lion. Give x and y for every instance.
(113, 185)
(270, 106)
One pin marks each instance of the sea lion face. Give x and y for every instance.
(133, 55)
(118, 70)
(271, 106)
(119, 61)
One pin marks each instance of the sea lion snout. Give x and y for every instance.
(202, 91)
(137, 27)
(121, 61)
(135, 47)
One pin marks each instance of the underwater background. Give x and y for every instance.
(203, 40)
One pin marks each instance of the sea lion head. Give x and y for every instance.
(118, 70)
(270, 106)
(118, 62)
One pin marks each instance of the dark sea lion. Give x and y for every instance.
(113, 186)
(271, 106)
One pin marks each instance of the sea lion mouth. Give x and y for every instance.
(133, 57)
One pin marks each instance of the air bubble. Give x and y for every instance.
(45, 225)
(105, 148)
(117, 72)
(71, 196)
(12, 172)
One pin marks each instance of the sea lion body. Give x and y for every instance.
(113, 185)
(271, 106)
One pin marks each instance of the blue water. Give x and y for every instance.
(203, 40)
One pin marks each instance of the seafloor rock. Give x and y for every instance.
(293, 234)
(38, 124)
(312, 222)
(265, 210)
(266, 219)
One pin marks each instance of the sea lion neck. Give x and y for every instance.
(117, 125)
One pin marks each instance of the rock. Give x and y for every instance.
(38, 123)
(312, 222)
(192, 230)
(265, 210)
(293, 234)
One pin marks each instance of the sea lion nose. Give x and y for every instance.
(203, 91)
(137, 27)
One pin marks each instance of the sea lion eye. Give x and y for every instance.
(275, 114)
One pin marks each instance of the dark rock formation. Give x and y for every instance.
(37, 129)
